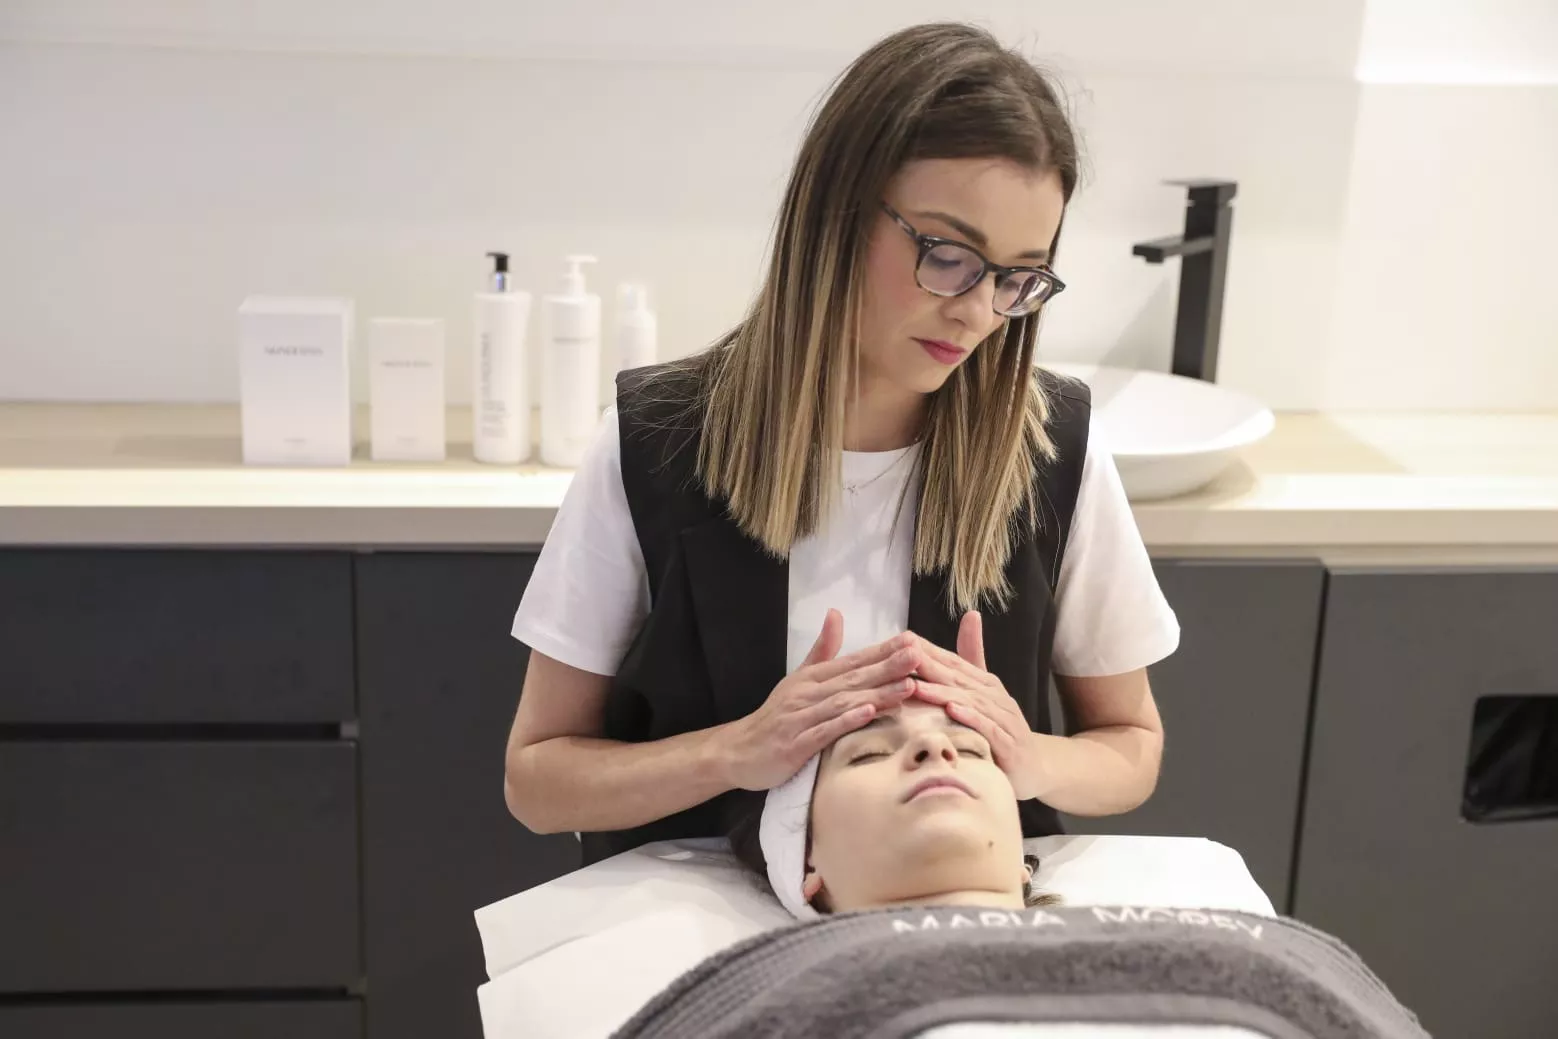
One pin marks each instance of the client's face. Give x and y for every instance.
(912, 808)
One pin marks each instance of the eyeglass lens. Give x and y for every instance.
(948, 269)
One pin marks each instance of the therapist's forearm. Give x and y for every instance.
(586, 784)
(1103, 771)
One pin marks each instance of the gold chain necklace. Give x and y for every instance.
(855, 488)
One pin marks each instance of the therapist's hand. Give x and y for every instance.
(824, 698)
(976, 698)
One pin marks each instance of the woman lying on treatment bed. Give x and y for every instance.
(901, 847)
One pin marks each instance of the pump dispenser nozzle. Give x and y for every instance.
(500, 272)
(573, 277)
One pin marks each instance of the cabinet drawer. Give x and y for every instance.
(169, 636)
(178, 866)
(322, 1020)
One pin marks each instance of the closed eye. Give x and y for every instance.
(869, 755)
(944, 262)
(973, 752)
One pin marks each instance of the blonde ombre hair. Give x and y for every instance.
(774, 392)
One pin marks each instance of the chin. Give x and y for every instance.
(963, 865)
(947, 831)
(925, 379)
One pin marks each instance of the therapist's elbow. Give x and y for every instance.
(520, 794)
(1150, 768)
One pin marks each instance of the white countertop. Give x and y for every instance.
(1375, 488)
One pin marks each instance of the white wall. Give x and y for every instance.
(166, 159)
(1460, 42)
(1446, 296)
(1449, 296)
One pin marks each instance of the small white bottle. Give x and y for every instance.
(570, 369)
(406, 389)
(636, 327)
(500, 399)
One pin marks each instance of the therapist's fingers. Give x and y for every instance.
(829, 640)
(934, 670)
(971, 639)
(996, 703)
(820, 737)
(952, 662)
(1003, 744)
(900, 665)
(998, 706)
(879, 698)
(938, 693)
(829, 669)
(967, 706)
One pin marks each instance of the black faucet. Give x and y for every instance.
(1203, 269)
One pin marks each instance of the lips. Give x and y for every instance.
(943, 351)
(938, 782)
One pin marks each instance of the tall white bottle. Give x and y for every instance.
(500, 401)
(636, 327)
(631, 343)
(570, 369)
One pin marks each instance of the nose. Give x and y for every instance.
(931, 747)
(975, 309)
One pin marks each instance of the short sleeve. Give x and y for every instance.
(589, 593)
(1112, 616)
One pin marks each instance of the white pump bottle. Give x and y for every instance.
(635, 327)
(501, 394)
(570, 369)
(632, 343)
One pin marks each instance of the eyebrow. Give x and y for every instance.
(975, 235)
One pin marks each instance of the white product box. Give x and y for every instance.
(294, 380)
(406, 389)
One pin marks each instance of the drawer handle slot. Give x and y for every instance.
(1512, 769)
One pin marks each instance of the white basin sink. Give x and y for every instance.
(1169, 435)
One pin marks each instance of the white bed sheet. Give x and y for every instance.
(574, 958)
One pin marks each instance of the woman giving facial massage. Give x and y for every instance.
(770, 535)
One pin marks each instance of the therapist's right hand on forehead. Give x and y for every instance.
(826, 697)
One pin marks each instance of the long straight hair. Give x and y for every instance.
(775, 390)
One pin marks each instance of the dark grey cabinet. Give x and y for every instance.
(339, 1019)
(171, 865)
(440, 678)
(179, 796)
(233, 779)
(1235, 707)
(142, 637)
(1460, 919)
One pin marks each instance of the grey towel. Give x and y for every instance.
(890, 974)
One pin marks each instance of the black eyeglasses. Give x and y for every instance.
(949, 268)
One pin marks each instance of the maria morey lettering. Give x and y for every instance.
(287, 350)
(1006, 918)
(1161, 914)
(1010, 919)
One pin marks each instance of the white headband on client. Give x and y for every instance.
(782, 834)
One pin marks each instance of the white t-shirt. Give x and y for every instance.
(589, 592)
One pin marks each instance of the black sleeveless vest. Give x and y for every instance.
(713, 645)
